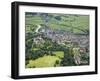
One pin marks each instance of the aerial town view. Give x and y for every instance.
(56, 40)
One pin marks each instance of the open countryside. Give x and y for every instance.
(54, 40)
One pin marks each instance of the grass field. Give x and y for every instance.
(59, 54)
(45, 61)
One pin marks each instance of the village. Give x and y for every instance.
(61, 37)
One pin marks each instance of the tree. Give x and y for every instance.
(68, 59)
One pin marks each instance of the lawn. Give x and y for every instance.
(45, 61)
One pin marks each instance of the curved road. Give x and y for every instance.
(38, 27)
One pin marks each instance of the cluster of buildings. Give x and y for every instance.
(60, 37)
(38, 40)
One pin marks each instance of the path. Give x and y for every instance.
(37, 29)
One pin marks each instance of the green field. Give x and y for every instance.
(45, 61)
(59, 54)
(68, 22)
